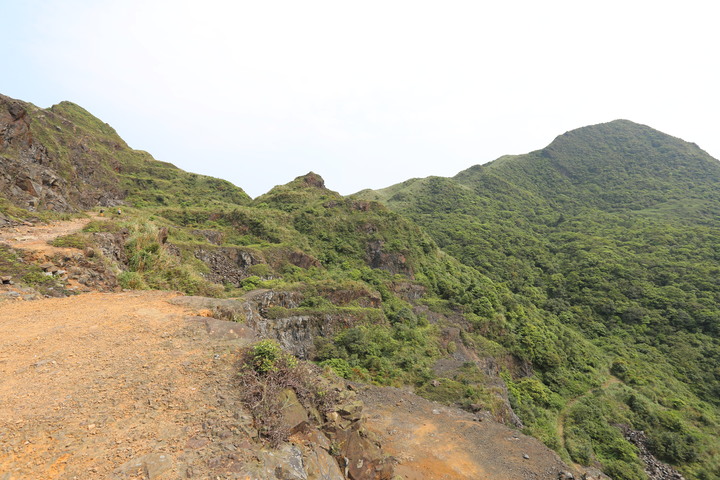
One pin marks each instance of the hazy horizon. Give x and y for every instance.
(365, 95)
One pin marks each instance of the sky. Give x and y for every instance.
(367, 94)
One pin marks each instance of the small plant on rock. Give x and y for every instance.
(266, 374)
(267, 356)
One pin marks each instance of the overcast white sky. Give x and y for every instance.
(365, 93)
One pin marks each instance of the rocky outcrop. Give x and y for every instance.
(394, 262)
(654, 468)
(227, 264)
(34, 177)
(295, 333)
(112, 245)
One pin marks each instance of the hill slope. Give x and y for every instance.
(64, 159)
(612, 230)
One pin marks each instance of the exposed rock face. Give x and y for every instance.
(32, 177)
(227, 264)
(313, 180)
(408, 291)
(295, 333)
(112, 245)
(392, 262)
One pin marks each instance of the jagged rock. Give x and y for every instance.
(295, 333)
(654, 468)
(320, 465)
(30, 177)
(313, 180)
(303, 260)
(593, 474)
(227, 264)
(409, 291)
(112, 245)
(292, 413)
(361, 457)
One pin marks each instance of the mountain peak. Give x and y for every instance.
(311, 179)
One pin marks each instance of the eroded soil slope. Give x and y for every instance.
(432, 441)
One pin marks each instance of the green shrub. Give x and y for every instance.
(132, 281)
(265, 376)
(338, 365)
(267, 356)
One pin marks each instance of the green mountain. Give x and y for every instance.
(613, 231)
(64, 159)
(570, 292)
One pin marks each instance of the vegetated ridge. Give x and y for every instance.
(504, 321)
(611, 231)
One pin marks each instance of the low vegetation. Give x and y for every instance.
(608, 263)
(272, 382)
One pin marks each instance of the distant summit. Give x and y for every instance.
(614, 165)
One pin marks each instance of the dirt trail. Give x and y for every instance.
(36, 237)
(562, 416)
(108, 385)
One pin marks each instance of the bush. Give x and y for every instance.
(340, 366)
(267, 356)
(266, 373)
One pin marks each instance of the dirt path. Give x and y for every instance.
(36, 237)
(562, 416)
(114, 385)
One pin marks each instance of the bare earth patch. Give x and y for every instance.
(114, 385)
(432, 441)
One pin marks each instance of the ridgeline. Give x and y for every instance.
(571, 292)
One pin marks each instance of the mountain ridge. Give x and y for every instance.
(600, 228)
(580, 311)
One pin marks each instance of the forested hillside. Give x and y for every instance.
(612, 230)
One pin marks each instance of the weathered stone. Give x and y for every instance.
(151, 466)
(292, 412)
(654, 468)
(112, 245)
(393, 262)
(320, 465)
